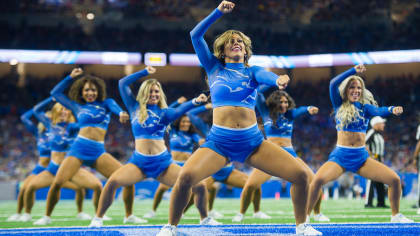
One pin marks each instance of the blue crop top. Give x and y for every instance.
(42, 143)
(366, 111)
(60, 135)
(93, 114)
(284, 122)
(182, 141)
(158, 118)
(232, 84)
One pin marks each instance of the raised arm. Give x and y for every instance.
(200, 46)
(303, 110)
(29, 125)
(372, 110)
(262, 88)
(113, 106)
(177, 102)
(269, 78)
(58, 91)
(336, 81)
(262, 108)
(172, 114)
(39, 111)
(124, 87)
(197, 121)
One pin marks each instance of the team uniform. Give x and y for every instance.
(43, 152)
(60, 135)
(232, 84)
(352, 158)
(284, 123)
(92, 114)
(153, 127)
(42, 143)
(375, 143)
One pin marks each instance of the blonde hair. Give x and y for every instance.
(348, 113)
(143, 98)
(55, 114)
(40, 126)
(223, 39)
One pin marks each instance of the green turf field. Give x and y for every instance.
(339, 211)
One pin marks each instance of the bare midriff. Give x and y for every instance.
(43, 161)
(351, 139)
(93, 133)
(58, 157)
(150, 146)
(180, 156)
(282, 142)
(234, 117)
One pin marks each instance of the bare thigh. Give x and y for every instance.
(106, 164)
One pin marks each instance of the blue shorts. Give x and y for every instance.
(53, 168)
(291, 151)
(234, 144)
(44, 152)
(223, 174)
(151, 165)
(351, 159)
(86, 150)
(180, 163)
(38, 169)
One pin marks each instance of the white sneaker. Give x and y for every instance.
(304, 229)
(238, 217)
(215, 214)
(83, 216)
(418, 211)
(209, 221)
(96, 222)
(45, 220)
(150, 214)
(261, 215)
(321, 218)
(167, 230)
(132, 219)
(14, 217)
(25, 217)
(400, 218)
(106, 218)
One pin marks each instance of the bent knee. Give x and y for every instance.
(301, 177)
(200, 187)
(318, 182)
(113, 183)
(395, 181)
(186, 179)
(97, 187)
(57, 183)
(252, 186)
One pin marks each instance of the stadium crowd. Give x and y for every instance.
(276, 27)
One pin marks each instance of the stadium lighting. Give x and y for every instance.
(13, 62)
(90, 16)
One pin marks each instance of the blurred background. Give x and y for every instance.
(311, 41)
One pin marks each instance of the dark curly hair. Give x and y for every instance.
(273, 104)
(177, 122)
(76, 88)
